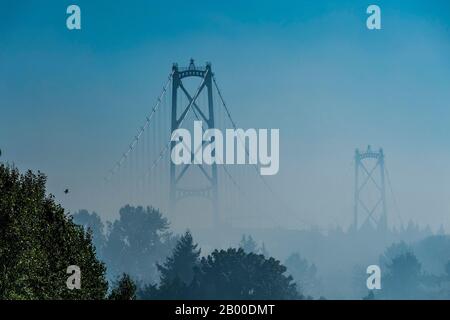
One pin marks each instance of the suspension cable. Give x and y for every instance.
(256, 166)
(132, 145)
(224, 168)
(393, 196)
(166, 147)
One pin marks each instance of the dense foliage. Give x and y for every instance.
(224, 274)
(133, 244)
(38, 241)
(124, 289)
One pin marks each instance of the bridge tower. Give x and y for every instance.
(179, 112)
(364, 212)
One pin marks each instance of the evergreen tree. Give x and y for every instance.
(304, 273)
(263, 250)
(181, 264)
(403, 279)
(248, 244)
(177, 272)
(124, 289)
(147, 292)
(393, 251)
(370, 296)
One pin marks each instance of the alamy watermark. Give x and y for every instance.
(73, 21)
(74, 280)
(236, 146)
(374, 20)
(373, 282)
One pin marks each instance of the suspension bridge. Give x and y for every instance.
(220, 193)
(189, 94)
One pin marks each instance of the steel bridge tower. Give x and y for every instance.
(375, 213)
(179, 112)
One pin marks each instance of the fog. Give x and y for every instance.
(73, 103)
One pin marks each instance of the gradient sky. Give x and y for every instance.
(71, 100)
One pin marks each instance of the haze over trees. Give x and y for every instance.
(134, 243)
(38, 241)
(144, 260)
(180, 266)
(417, 271)
(223, 274)
(248, 244)
(304, 273)
(124, 289)
(234, 274)
(93, 223)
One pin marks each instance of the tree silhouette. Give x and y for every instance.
(433, 252)
(370, 296)
(234, 274)
(181, 264)
(137, 241)
(403, 278)
(92, 221)
(38, 241)
(124, 289)
(263, 250)
(393, 251)
(304, 273)
(176, 273)
(248, 244)
(447, 270)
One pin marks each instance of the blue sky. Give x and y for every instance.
(71, 100)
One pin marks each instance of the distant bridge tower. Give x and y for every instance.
(365, 212)
(179, 112)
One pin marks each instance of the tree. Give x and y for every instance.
(174, 290)
(137, 241)
(248, 244)
(124, 289)
(92, 221)
(447, 270)
(393, 251)
(234, 274)
(433, 253)
(181, 264)
(147, 292)
(304, 273)
(176, 273)
(38, 242)
(263, 250)
(370, 296)
(403, 278)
